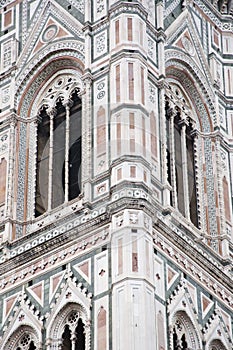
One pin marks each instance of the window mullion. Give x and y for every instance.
(73, 340)
(67, 105)
(184, 167)
(172, 158)
(51, 114)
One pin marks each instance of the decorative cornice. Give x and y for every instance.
(193, 260)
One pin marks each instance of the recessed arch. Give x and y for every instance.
(180, 76)
(181, 125)
(28, 92)
(70, 323)
(184, 332)
(59, 137)
(24, 337)
(196, 81)
(181, 69)
(30, 102)
(216, 344)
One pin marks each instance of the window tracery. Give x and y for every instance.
(58, 162)
(69, 329)
(217, 345)
(73, 336)
(26, 342)
(183, 334)
(24, 338)
(181, 140)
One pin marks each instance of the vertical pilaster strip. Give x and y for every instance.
(10, 167)
(221, 206)
(132, 132)
(118, 138)
(118, 87)
(86, 136)
(8, 211)
(131, 81)
(142, 85)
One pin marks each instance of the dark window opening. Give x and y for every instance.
(168, 152)
(78, 337)
(179, 344)
(75, 148)
(179, 168)
(175, 340)
(184, 344)
(58, 176)
(80, 341)
(59, 135)
(32, 346)
(66, 336)
(181, 174)
(191, 178)
(42, 174)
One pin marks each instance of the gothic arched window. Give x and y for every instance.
(180, 155)
(183, 333)
(216, 344)
(73, 337)
(23, 339)
(26, 343)
(58, 161)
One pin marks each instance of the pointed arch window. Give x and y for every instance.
(26, 342)
(180, 155)
(58, 163)
(216, 344)
(183, 333)
(73, 337)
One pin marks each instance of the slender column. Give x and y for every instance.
(86, 139)
(183, 124)
(171, 114)
(51, 114)
(87, 331)
(33, 194)
(73, 340)
(67, 106)
(167, 187)
(58, 346)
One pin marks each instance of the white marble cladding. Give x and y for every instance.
(4, 143)
(100, 43)
(142, 173)
(57, 231)
(131, 193)
(132, 218)
(99, 9)
(101, 272)
(100, 125)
